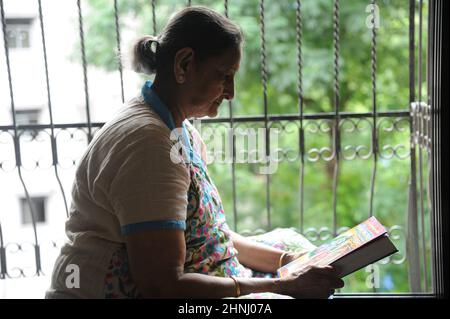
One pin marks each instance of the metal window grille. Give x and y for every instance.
(418, 116)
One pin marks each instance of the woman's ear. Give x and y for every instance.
(183, 64)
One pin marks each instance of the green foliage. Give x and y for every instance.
(353, 188)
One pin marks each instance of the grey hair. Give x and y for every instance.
(206, 31)
(143, 57)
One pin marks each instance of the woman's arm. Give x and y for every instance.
(157, 267)
(259, 256)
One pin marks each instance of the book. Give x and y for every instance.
(352, 250)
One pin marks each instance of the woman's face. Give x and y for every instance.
(212, 81)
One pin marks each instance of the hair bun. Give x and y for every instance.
(147, 45)
(144, 55)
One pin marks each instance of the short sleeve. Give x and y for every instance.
(149, 189)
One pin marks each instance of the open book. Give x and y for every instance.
(354, 249)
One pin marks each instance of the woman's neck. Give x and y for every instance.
(171, 101)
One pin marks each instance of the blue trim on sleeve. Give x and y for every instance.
(164, 224)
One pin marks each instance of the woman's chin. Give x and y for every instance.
(213, 111)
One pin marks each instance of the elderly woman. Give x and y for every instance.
(146, 219)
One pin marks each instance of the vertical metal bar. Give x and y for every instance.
(412, 234)
(116, 16)
(3, 268)
(429, 134)
(430, 94)
(189, 3)
(154, 17)
(373, 58)
(233, 149)
(436, 144)
(440, 262)
(300, 109)
(373, 55)
(437, 150)
(17, 138)
(436, 227)
(264, 84)
(49, 102)
(336, 94)
(85, 78)
(422, 131)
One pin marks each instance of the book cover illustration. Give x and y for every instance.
(337, 247)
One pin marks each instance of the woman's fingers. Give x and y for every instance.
(340, 283)
(316, 282)
(326, 271)
(330, 274)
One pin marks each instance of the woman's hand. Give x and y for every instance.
(291, 256)
(314, 282)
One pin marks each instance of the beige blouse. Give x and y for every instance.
(125, 177)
